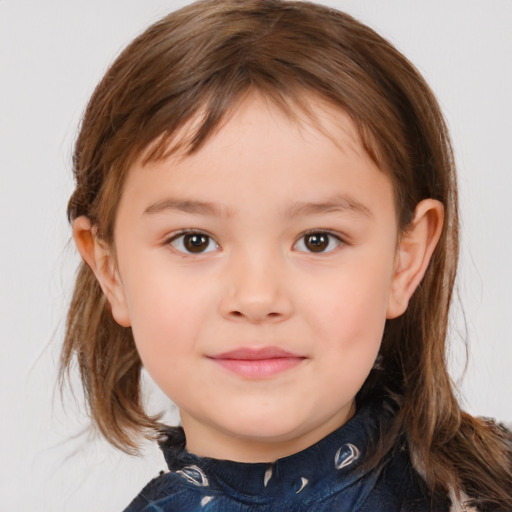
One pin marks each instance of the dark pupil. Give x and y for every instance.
(317, 242)
(196, 243)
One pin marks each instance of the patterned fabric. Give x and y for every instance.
(328, 476)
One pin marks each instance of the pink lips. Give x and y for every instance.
(258, 363)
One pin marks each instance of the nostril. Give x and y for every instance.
(240, 314)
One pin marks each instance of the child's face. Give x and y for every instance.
(288, 258)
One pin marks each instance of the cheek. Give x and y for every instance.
(350, 330)
(350, 309)
(166, 312)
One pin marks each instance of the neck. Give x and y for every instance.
(206, 441)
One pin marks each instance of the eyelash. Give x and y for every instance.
(179, 239)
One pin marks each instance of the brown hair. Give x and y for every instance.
(199, 62)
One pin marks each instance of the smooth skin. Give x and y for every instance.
(271, 235)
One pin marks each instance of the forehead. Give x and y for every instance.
(261, 152)
(307, 110)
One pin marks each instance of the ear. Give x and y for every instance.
(416, 247)
(100, 258)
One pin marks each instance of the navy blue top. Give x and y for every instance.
(328, 476)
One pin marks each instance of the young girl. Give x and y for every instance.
(266, 207)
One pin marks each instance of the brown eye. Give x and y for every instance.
(194, 243)
(318, 241)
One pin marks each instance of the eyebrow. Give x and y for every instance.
(187, 206)
(297, 209)
(334, 205)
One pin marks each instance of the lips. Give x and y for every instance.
(260, 363)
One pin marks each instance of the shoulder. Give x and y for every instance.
(400, 477)
(164, 493)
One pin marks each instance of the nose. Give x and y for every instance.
(255, 290)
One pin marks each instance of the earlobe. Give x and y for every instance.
(100, 259)
(415, 249)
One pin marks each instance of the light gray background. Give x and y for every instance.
(52, 53)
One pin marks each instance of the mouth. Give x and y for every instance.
(260, 363)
